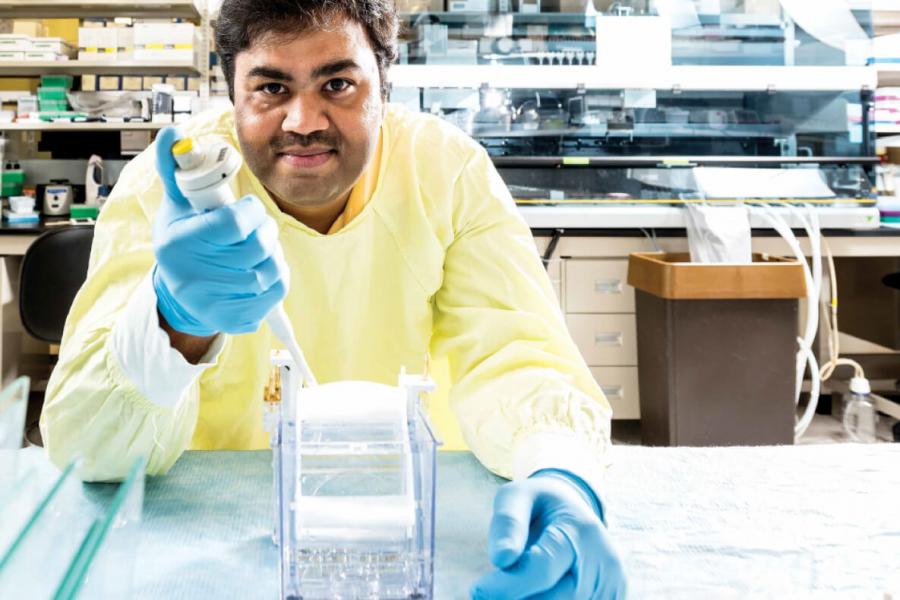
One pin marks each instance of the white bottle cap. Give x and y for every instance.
(860, 385)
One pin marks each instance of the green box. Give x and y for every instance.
(13, 176)
(51, 93)
(57, 81)
(48, 116)
(10, 189)
(82, 211)
(53, 105)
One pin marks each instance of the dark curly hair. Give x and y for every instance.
(241, 22)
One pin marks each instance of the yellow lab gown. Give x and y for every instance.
(437, 260)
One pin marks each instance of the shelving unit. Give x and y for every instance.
(192, 10)
(59, 9)
(92, 126)
(79, 67)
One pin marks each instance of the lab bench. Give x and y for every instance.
(588, 270)
(716, 523)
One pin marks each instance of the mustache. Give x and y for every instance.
(317, 138)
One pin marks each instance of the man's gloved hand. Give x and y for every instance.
(547, 540)
(218, 271)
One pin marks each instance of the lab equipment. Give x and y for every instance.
(354, 477)
(21, 210)
(58, 197)
(607, 158)
(204, 176)
(547, 537)
(93, 180)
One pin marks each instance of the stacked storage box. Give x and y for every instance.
(99, 44)
(13, 46)
(12, 180)
(165, 42)
(49, 48)
(52, 96)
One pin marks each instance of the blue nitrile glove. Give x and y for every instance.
(218, 271)
(547, 540)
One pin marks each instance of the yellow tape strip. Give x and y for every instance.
(680, 201)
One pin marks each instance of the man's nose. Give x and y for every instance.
(305, 115)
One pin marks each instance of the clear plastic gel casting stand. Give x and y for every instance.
(354, 466)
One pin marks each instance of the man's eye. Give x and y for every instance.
(272, 88)
(337, 85)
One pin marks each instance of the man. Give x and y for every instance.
(398, 238)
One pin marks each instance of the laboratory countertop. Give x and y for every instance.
(34, 228)
(665, 232)
(45, 224)
(789, 521)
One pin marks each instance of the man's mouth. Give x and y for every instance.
(306, 158)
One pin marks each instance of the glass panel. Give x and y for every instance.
(40, 555)
(821, 184)
(536, 122)
(13, 404)
(104, 565)
(563, 32)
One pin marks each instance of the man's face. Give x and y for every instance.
(308, 109)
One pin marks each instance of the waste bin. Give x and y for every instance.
(717, 347)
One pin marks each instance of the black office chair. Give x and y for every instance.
(53, 269)
(892, 280)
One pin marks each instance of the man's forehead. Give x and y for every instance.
(338, 40)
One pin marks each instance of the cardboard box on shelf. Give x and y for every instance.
(88, 83)
(12, 42)
(163, 42)
(150, 80)
(53, 45)
(177, 81)
(97, 44)
(29, 28)
(415, 6)
(125, 42)
(42, 56)
(110, 83)
(193, 84)
(132, 83)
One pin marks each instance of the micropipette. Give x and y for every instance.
(204, 175)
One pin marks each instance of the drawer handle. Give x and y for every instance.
(611, 339)
(608, 286)
(612, 391)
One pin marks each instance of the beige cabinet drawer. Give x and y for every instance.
(605, 340)
(620, 385)
(598, 286)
